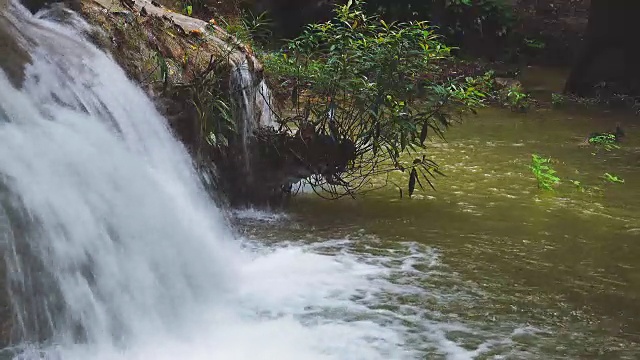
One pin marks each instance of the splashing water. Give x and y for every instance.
(252, 104)
(107, 195)
(114, 251)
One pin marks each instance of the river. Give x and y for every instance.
(115, 251)
(497, 268)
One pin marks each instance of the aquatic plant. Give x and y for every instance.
(544, 173)
(584, 188)
(535, 43)
(612, 178)
(516, 99)
(607, 141)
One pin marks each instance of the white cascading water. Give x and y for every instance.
(116, 215)
(252, 104)
(114, 251)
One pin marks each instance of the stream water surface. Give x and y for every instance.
(488, 266)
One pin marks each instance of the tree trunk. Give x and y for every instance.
(610, 57)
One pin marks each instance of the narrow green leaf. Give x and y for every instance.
(412, 181)
(423, 132)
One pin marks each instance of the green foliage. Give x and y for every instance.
(212, 105)
(250, 28)
(517, 100)
(191, 7)
(361, 80)
(163, 68)
(558, 99)
(544, 173)
(484, 84)
(612, 178)
(605, 141)
(548, 179)
(579, 186)
(187, 9)
(208, 95)
(535, 43)
(586, 189)
(260, 26)
(454, 3)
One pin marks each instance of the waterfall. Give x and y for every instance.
(250, 95)
(107, 193)
(252, 103)
(253, 99)
(114, 250)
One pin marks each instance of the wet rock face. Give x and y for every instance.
(12, 61)
(13, 58)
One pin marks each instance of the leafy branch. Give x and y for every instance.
(358, 82)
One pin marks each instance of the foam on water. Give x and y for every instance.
(253, 214)
(319, 301)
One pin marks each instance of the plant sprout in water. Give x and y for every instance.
(613, 178)
(607, 141)
(544, 173)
